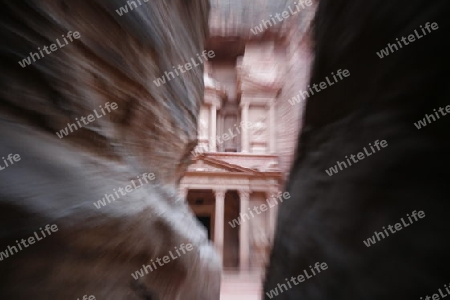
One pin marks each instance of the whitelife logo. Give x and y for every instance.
(160, 81)
(128, 189)
(241, 219)
(124, 9)
(300, 278)
(431, 118)
(90, 118)
(319, 87)
(360, 155)
(85, 297)
(11, 157)
(285, 15)
(436, 296)
(391, 48)
(27, 61)
(166, 259)
(398, 227)
(31, 240)
(230, 134)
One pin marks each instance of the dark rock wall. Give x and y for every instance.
(328, 217)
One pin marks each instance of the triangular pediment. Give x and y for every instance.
(208, 164)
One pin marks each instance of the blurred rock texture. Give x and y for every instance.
(58, 180)
(328, 218)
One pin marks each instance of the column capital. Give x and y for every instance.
(219, 193)
(183, 191)
(244, 194)
(272, 191)
(244, 104)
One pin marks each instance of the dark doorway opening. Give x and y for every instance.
(206, 222)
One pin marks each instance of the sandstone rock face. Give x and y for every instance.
(237, 18)
(298, 58)
(115, 59)
(328, 217)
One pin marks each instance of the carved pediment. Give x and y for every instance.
(204, 164)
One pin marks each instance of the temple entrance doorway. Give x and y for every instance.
(206, 222)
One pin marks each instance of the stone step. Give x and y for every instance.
(241, 286)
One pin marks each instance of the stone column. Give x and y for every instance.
(244, 129)
(219, 220)
(272, 132)
(183, 191)
(220, 129)
(244, 237)
(272, 212)
(213, 125)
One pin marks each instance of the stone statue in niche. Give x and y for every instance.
(259, 130)
(203, 129)
(260, 242)
(231, 132)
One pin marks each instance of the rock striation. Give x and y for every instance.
(58, 179)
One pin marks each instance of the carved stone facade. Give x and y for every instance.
(236, 164)
(247, 127)
(222, 192)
